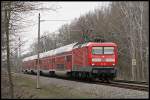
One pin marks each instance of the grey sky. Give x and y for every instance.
(68, 11)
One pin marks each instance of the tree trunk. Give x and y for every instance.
(141, 41)
(7, 19)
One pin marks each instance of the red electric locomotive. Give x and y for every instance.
(88, 60)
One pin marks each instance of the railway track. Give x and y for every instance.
(128, 85)
(132, 82)
(139, 87)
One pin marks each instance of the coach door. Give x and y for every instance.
(53, 63)
(68, 62)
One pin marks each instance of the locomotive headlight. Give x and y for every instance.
(96, 59)
(110, 60)
(93, 64)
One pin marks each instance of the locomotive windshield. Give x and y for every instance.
(108, 50)
(97, 50)
(102, 50)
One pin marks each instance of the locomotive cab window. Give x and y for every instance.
(102, 50)
(97, 50)
(108, 50)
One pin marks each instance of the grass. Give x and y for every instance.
(28, 86)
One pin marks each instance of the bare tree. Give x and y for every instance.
(7, 20)
(13, 22)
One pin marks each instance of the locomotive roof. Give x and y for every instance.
(102, 44)
(95, 44)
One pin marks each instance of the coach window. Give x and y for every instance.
(37, 61)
